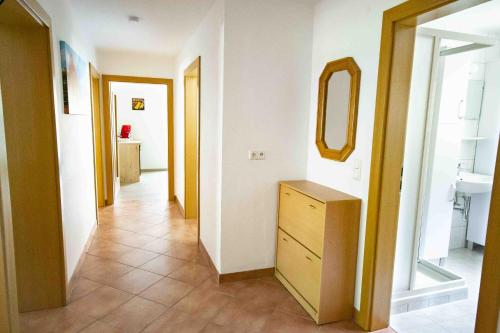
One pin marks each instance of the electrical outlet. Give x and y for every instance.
(256, 155)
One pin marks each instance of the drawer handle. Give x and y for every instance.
(308, 258)
(312, 206)
(286, 193)
(286, 240)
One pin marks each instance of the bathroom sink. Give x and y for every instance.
(472, 183)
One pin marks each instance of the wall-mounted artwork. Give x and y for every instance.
(138, 104)
(76, 83)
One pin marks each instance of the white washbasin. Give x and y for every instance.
(472, 183)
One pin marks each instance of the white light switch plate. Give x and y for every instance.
(356, 169)
(256, 155)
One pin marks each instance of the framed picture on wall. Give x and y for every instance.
(138, 104)
(75, 77)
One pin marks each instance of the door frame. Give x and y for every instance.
(94, 75)
(106, 93)
(394, 78)
(9, 312)
(196, 64)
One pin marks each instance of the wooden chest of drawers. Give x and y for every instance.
(316, 248)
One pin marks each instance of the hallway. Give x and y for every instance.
(143, 272)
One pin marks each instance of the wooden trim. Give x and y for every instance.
(81, 260)
(181, 209)
(336, 66)
(9, 312)
(94, 75)
(204, 253)
(194, 66)
(398, 30)
(246, 275)
(489, 293)
(106, 80)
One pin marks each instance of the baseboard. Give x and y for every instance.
(246, 275)
(154, 170)
(210, 262)
(72, 281)
(179, 206)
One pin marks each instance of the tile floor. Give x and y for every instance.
(456, 317)
(144, 273)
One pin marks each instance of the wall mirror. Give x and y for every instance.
(338, 109)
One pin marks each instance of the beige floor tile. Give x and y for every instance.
(280, 322)
(159, 245)
(214, 328)
(136, 281)
(203, 303)
(238, 316)
(183, 251)
(56, 320)
(100, 327)
(163, 265)
(167, 291)
(83, 287)
(191, 273)
(176, 322)
(100, 302)
(134, 315)
(137, 257)
(105, 271)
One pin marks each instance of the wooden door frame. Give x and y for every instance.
(106, 84)
(394, 78)
(40, 15)
(9, 312)
(196, 64)
(94, 74)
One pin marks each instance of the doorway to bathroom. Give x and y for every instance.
(450, 150)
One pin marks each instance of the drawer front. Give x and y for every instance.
(300, 267)
(303, 218)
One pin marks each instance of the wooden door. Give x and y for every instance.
(97, 132)
(32, 157)
(191, 143)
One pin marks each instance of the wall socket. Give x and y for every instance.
(256, 155)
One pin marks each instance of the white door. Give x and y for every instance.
(443, 161)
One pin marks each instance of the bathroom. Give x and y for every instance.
(447, 175)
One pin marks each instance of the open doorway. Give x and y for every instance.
(437, 189)
(192, 139)
(138, 109)
(450, 155)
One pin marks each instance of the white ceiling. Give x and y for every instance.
(484, 18)
(163, 28)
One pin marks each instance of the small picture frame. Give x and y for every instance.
(138, 104)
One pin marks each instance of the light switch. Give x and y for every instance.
(256, 155)
(356, 169)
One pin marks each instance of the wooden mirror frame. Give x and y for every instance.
(336, 66)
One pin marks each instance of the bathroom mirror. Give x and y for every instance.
(337, 109)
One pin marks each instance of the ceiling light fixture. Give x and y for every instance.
(133, 18)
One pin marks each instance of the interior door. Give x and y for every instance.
(191, 86)
(443, 160)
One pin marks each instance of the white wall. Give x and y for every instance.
(489, 125)
(207, 42)
(267, 63)
(74, 136)
(342, 29)
(149, 126)
(116, 62)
